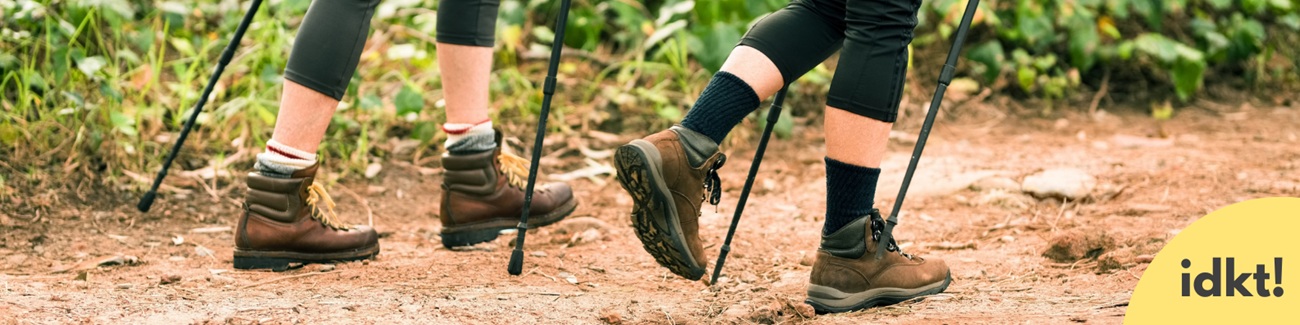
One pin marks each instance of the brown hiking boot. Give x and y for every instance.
(667, 174)
(848, 277)
(292, 220)
(483, 194)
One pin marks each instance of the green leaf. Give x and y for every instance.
(1162, 111)
(1083, 46)
(784, 127)
(424, 131)
(408, 101)
(34, 80)
(712, 44)
(108, 91)
(1045, 62)
(371, 102)
(990, 54)
(1187, 75)
(8, 133)
(123, 123)
(1026, 76)
(1157, 46)
(1291, 20)
(1253, 7)
(75, 98)
(1220, 4)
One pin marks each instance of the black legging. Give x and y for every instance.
(329, 42)
(868, 81)
(873, 33)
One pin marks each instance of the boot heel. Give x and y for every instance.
(275, 264)
(470, 237)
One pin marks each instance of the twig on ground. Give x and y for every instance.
(285, 278)
(544, 274)
(1096, 99)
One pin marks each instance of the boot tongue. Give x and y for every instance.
(699, 147)
(309, 172)
(848, 242)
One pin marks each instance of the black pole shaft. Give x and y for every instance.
(945, 77)
(516, 265)
(773, 115)
(147, 200)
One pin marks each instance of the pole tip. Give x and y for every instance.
(516, 262)
(146, 201)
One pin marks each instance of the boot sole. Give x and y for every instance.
(473, 234)
(654, 214)
(825, 299)
(280, 260)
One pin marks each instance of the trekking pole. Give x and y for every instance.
(517, 256)
(886, 235)
(147, 200)
(773, 115)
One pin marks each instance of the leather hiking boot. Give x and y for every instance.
(292, 220)
(668, 174)
(483, 194)
(848, 277)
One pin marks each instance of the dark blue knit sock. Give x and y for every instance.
(723, 104)
(850, 193)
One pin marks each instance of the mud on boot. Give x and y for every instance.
(483, 194)
(292, 221)
(668, 174)
(848, 277)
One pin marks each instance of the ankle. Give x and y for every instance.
(282, 161)
(467, 139)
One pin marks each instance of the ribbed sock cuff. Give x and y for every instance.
(723, 104)
(850, 193)
(281, 161)
(469, 138)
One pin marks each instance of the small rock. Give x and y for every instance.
(373, 170)
(1007, 239)
(373, 189)
(405, 147)
(736, 311)
(995, 182)
(124, 286)
(1061, 123)
(588, 236)
(1144, 258)
(1073, 245)
(203, 251)
(217, 271)
(325, 268)
(503, 298)
(169, 279)
(804, 309)
(569, 277)
(767, 314)
(808, 259)
(178, 240)
(410, 308)
(538, 254)
(612, 318)
(1069, 183)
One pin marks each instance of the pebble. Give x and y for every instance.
(410, 308)
(325, 268)
(124, 286)
(995, 183)
(169, 279)
(539, 254)
(612, 318)
(1069, 183)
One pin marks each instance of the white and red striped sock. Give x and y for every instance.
(282, 161)
(469, 138)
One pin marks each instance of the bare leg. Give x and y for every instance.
(304, 116)
(855, 139)
(465, 73)
(755, 69)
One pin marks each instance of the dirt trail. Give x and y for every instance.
(1153, 178)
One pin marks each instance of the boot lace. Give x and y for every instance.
(713, 183)
(877, 227)
(515, 169)
(318, 198)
